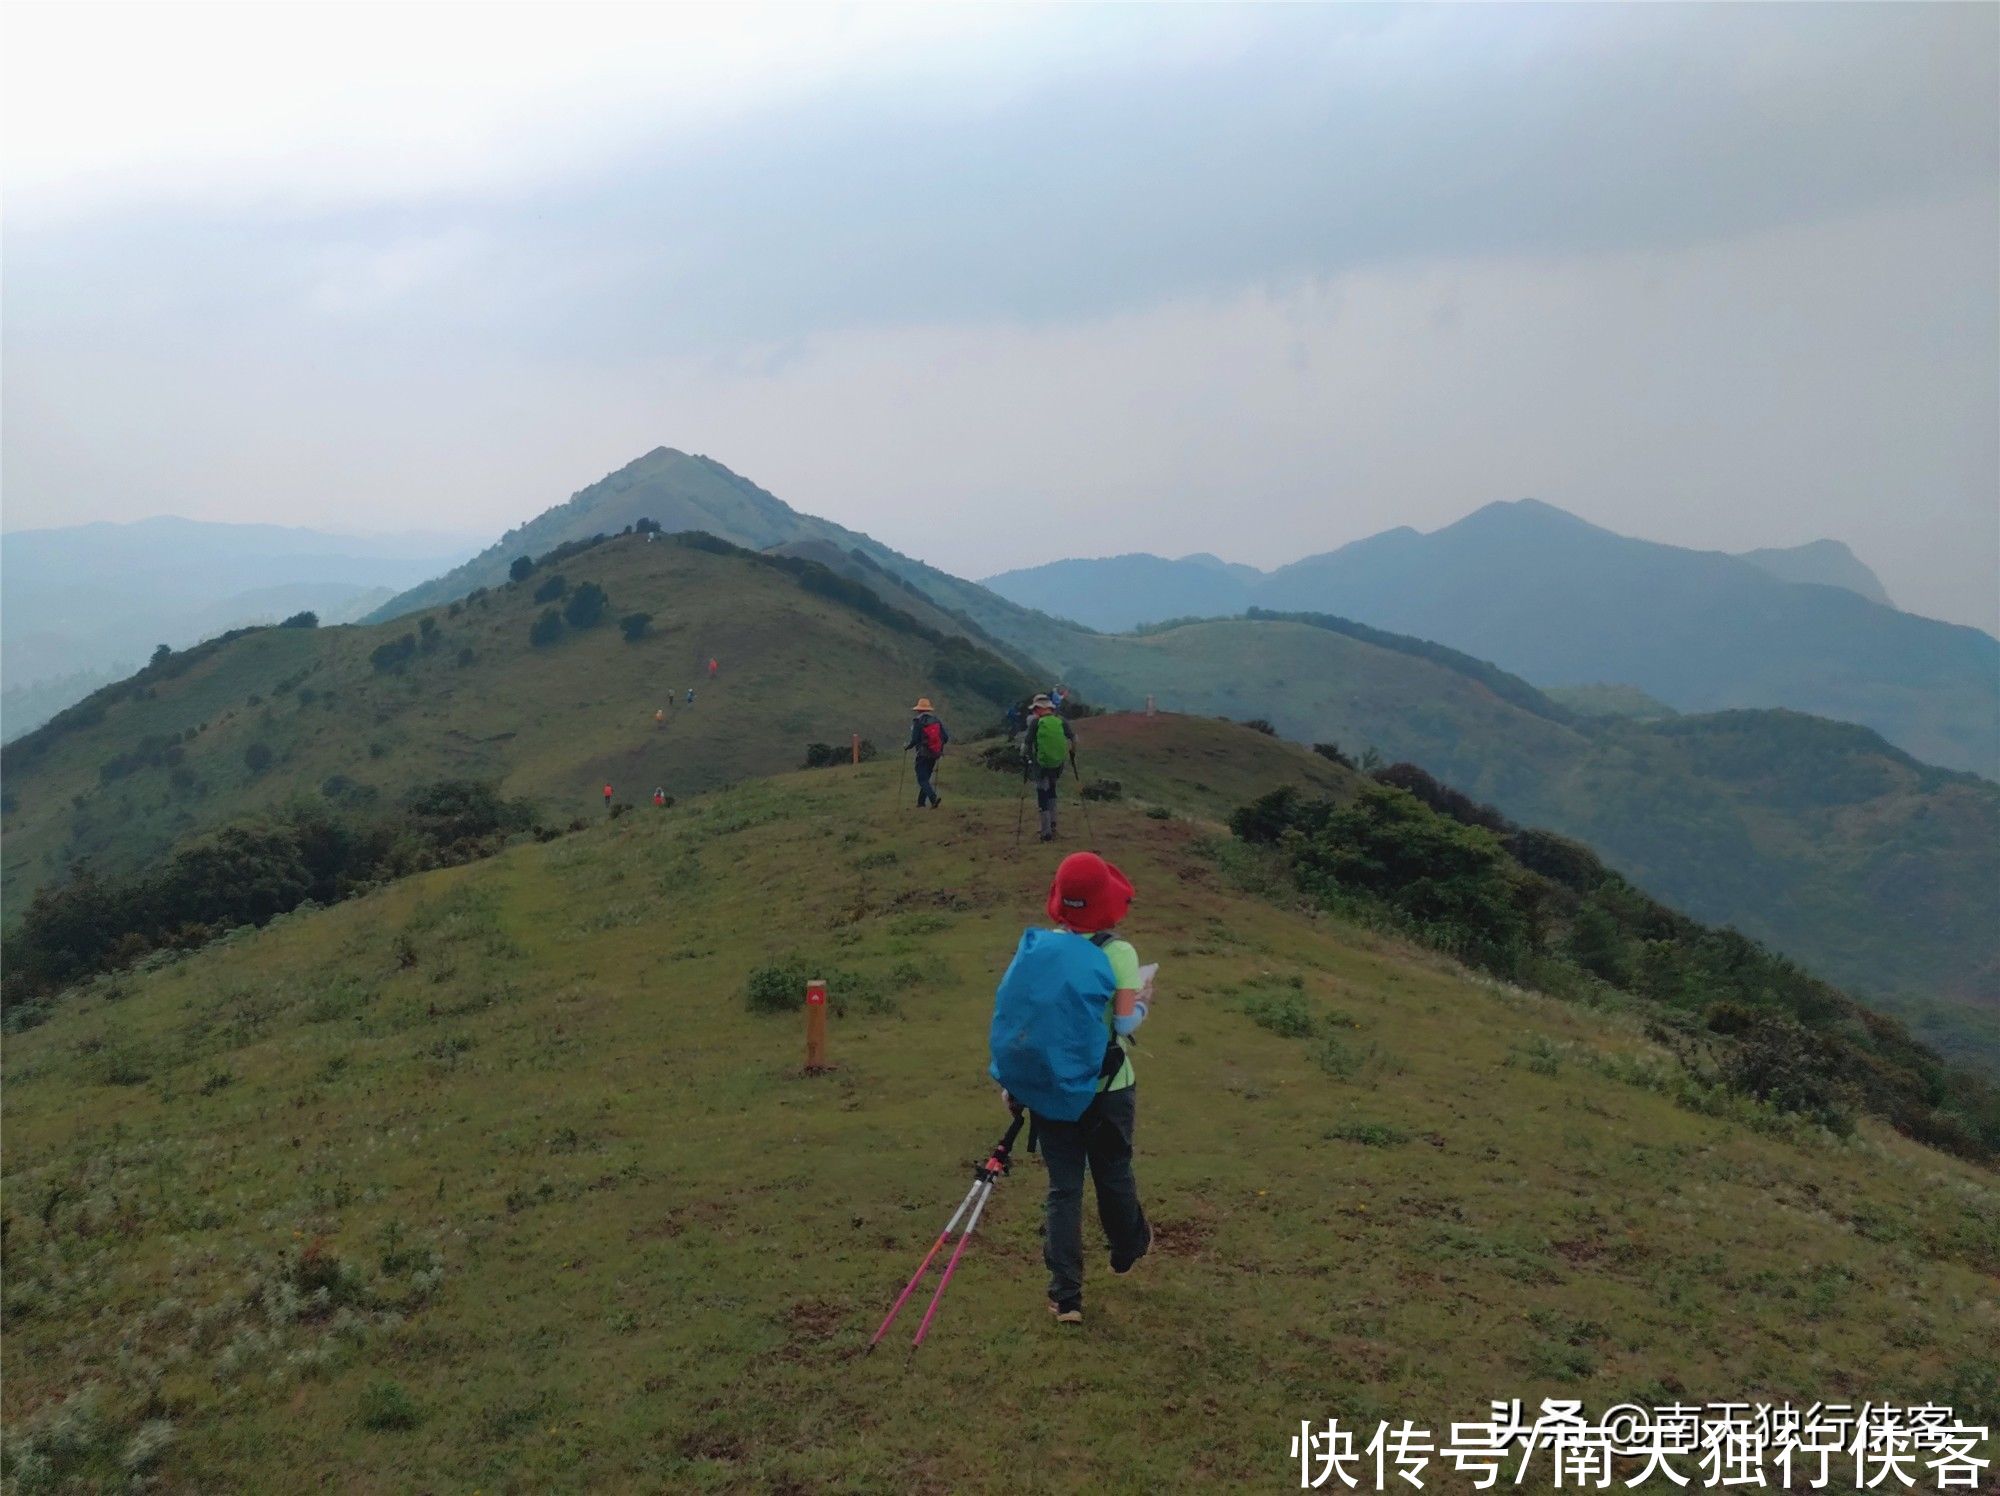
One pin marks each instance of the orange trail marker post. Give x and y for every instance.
(815, 1025)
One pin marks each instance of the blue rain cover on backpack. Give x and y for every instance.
(1048, 1036)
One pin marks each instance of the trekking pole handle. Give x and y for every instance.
(1000, 1160)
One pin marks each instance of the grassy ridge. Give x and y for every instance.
(474, 700)
(573, 1220)
(1837, 887)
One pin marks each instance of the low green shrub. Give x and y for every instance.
(1368, 1134)
(386, 1407)
(832, 755)
(777, 986)
(1284, 1013)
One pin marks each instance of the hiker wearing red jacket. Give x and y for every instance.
(607, 797)
(928, 737)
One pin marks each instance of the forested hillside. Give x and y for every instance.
(548, 686)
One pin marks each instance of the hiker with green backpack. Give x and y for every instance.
(1049, 744)
(1063, 1018)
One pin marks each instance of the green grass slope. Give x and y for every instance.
(551, 724)
(1199, 765)
(1314, 685)
(491, 1181)
(1877, 871)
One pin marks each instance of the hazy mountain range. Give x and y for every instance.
(1564, 603)
(1814, 836)
(1119, 593)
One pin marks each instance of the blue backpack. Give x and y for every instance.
(1050, 1047)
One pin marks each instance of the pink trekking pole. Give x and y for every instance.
(924, 1325)
(924, 1266)
(969, 1210)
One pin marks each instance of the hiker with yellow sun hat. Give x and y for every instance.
(928, 737)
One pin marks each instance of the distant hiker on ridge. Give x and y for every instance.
(690, 695)
(1062, 1018)
(928, 737)
(1049, 743)
(659, 796)
(1013, 720)
(607, 797)
(659, 716)
(712, 667)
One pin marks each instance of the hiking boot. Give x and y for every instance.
(1120, 1266)
(1068, 1312)
(1048, 836)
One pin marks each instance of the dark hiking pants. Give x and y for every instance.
(1102, 1142)
(926, 795)
(1045, 796)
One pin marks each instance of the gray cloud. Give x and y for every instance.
(1719, 274)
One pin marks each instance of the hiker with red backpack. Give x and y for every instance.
(1063, 1020)
(928, 737)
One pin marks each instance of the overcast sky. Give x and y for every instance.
(1002, 285)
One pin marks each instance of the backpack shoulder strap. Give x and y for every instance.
(1114, 1052)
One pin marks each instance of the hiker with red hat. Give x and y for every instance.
(1063, 1024)
(928, 737)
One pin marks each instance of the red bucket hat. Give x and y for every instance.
(1089, 894)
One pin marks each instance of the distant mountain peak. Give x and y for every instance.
(1514, 513)
(675, 489)
(1825, 562)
